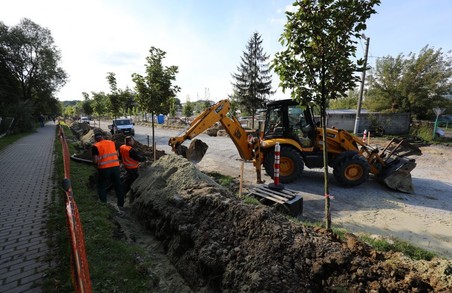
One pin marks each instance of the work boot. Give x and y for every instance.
(121, 211)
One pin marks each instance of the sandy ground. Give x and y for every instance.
(423, 218)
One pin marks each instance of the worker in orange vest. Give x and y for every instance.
(105, 156)
(130, 161)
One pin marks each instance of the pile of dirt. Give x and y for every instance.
(85, 134)
(220, 244)
(142, 149)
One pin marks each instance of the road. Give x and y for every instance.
(423, 218)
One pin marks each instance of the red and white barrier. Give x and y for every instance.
(277, 162)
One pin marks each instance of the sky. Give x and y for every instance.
(204, 38)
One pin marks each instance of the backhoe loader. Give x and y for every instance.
(301, 141)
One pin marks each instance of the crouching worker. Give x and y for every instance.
(105, 156)
(130, 161)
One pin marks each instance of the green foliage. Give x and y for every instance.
(201, 105)
(252, 84)
(422, 130)
(398, 245)
(413, 84)
(251, 200)
(320, 40)
(100, 101)
(156, 88)
(188, 108)
(348, 102)
(87, 105)
(29, 67)
(113, 97)
(30, 59)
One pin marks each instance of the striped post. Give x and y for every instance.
(275, 185)
(277, 162)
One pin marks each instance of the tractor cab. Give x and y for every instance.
(287, 119)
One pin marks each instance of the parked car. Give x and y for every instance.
(84, 120)
(122, 125)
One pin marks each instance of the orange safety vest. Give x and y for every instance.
(127, 161)
(108, 157)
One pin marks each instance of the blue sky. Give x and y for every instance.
(204, 38)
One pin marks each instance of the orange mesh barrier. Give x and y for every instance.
(79, 262)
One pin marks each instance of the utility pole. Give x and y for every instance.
(361, 90)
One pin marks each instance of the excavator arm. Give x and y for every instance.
(208, 118)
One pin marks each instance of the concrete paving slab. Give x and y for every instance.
(26, 185)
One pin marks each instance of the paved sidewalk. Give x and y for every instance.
(26, 185)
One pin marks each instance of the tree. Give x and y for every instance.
(87, 104)
(156, 89)
(29, 67)
(114, 96)
(187, 110)
(348, 102)
(414, 84)
(100, 101)
(253, 80)
(317, 64)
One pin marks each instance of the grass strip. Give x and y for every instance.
(115, 264)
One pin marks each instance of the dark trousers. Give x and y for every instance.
(131, 176)
(110, 175)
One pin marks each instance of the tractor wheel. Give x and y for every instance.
(291, 164)
(351, 171)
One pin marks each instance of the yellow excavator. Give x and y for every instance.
(301, 141)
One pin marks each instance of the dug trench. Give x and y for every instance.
(218, 243)
(208, 240)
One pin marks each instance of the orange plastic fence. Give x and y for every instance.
(79, 262)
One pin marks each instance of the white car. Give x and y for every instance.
(84, 120)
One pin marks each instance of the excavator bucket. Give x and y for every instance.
(195, 152)
(396, 173)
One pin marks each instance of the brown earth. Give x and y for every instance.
(214, 242)
(220, 244)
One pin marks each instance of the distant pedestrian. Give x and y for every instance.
(41, 119)
(130, 161)
(105, 156)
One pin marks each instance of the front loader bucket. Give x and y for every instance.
(397, 175)
(195, 152)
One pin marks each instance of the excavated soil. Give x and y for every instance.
(217, 243)
(202, 236)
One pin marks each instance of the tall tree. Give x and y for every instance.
(100, 101)
(156, 89)
(29, 54)
(413, 84)
(253, 79)
(385, 85)
(29, 72)
(317, 64)
(87, 104)
(114, 95)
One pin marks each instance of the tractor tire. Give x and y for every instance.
(332, 162)
(352, 171)
(291, 164)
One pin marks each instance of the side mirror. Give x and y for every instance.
(133, 123)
